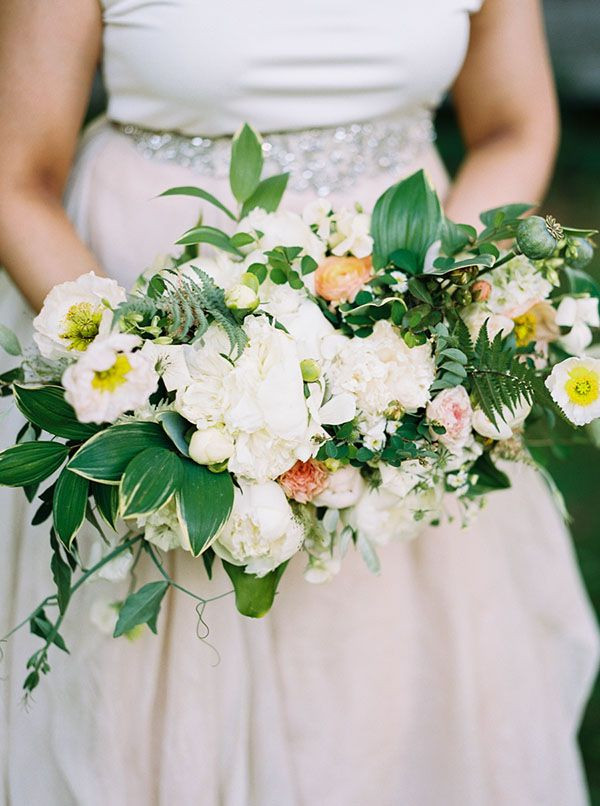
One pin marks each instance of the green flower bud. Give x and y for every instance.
(579, 253)
(311, 371)
(536, 237)
(241, 298)
(251, 280)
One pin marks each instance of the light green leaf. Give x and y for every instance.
(204, 501)
(141, 607)
(9, 341)
(40, 626)
(30, 462)
(496, 216)
(148, 482)
(246, 163)
(69, 504)
(46, 407)
(199, 194)
(368, 554)
(253, 595)
(105, 456)
(407, 216)
(267, 195)
(176, 427)
(211, 235)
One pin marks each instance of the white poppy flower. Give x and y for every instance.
(575, 386)
(580, 314)
(109, 379)
(74, 314)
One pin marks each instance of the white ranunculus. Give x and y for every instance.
(74, 313)
(516, 287)
(351, 234)
(162, 529)
(379, 370)
(282, 228)
(344, 487)
(580, 314)
(211, 446)
(261, 532)
(169, 362)
(506, 425)
(109, 379)
(575, 386)
(317, 214)
(224, 271)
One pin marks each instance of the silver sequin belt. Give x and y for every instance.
(324, 160)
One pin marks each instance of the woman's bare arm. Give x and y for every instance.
(507, 110)
(48, 55)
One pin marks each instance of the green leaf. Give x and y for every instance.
(406, 260)
(242, 239)
(246, 163)
(61, 573)
(278, 276)
(176, 427)
(490, 218)
(454, 354)
(368, 554)
(141, 607)
(267, 195)
(204, 501)
(308, 265)
(253, 595)
(211, 235)
(199, 194)
(455, 237)
(106, 497)
(9, 341)
(456, 368)
(419, 290)
(105, 456)
(407, 216)
(46, 407)
(68, 505)
(580, 282)
(40, 626)
(259, 270)
(148, 482)
(490, 478)
(30, 462)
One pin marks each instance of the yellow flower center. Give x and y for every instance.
(81, 325)
(525, 327)
(582, 386)
(107, 380)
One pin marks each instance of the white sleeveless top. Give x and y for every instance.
(203, 67)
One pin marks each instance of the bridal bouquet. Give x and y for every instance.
(298, 383)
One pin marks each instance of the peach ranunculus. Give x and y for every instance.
(305, 480)
(339, 279)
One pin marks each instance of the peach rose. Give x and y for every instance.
(452, 409)
(304, 480)
(339, 279)
(481, 290)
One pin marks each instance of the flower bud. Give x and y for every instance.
(311, 371)
(481, 290)
(463, 296)
(210, 446)
(241, 298)
(251, 280)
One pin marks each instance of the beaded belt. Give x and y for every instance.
(321, 160)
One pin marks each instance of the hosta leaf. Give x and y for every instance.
(148, 482)
(69, 505)
(141, 607)
(46, 407)
(61, 573)
(176, 427)
(106, 497)
(254, 595)
(30, 462)
(204, 501)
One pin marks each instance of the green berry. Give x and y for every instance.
(535, 239)
(579, 253)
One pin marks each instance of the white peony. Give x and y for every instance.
(379, 371)
(282, 228)
(579, 314)
(575, 386)
(162, 529)
(516, 287)
(506, 425)
(109, 379)
(307, 326)
(169, 362)
(261, 532)
(344, 487)
(211, 446)
(351, 235)
(74, 314)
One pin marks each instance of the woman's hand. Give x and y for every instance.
(507, 110)
(48, 56)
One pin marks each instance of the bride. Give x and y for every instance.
(457, 677)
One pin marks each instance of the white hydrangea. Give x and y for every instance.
(516, 286)
(109, 379)
(261, 532)
(380, 370)
(351, 234)
(74, 314)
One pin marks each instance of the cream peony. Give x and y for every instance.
(74, 314)
(261, 532)
(506, 425)
(109, 379)
(452, 409)
(575, 386)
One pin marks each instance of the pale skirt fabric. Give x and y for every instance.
(455, 678)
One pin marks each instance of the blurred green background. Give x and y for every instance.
(574, 198)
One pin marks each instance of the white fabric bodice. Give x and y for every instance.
(202, 68)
